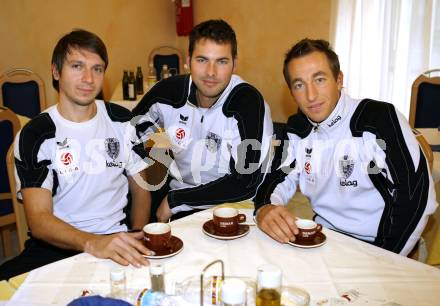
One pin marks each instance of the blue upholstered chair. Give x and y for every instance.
(169, 56)
(9, 126)
(23, 92)
(425, 101)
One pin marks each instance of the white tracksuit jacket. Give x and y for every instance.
(363, 171)
(215, 159)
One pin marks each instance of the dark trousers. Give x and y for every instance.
(36, 253)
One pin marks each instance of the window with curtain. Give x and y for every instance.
(384, 45)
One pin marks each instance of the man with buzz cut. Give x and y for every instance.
(75, 165)
(219, 126)
(357, 161)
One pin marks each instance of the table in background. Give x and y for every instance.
(118, 98)
(343, 264)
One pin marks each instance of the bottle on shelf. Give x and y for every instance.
(165, 73)
(125, 85)
(151, 78)
(233, 292)
(131, 87)
(139, 81)
(189, 289)
(268, 285)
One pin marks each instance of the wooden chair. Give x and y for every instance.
(166, 55)
(420, 252)
(20, 217)
(425, 101)
(9, 126)
(426, 148)
(23, 91)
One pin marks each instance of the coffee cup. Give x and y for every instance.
(157, 236)
(307, 229)
(226, 220)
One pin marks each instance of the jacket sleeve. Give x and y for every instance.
(280, 184)
(246, 105)
(404, 183)
(147, 117)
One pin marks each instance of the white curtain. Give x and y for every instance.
(384, 45)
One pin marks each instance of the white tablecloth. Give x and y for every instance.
(342, 265)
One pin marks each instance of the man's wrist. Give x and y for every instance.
(88, 243)
(261, 209)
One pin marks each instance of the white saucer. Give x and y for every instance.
(319, 240)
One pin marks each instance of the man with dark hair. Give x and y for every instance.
(75, 166)
(219, 126)
(357, 161)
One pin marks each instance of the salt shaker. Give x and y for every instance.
(157, 278)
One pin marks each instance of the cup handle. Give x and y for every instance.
(241, 218)
(318, 228)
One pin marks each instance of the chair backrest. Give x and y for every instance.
(426, 148)
(23, 91)
(20, 217)
(425, 101)
(166, 55)
(9, 126)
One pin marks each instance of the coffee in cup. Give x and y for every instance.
(157, 236)
(226, 220)
(307, 229)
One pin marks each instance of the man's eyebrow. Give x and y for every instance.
(296, 80)
(319, 73)
(217, 59)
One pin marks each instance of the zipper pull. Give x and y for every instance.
(315, 128)
(201, 119)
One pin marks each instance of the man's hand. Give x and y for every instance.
(123, 248)
(277, 222)
(163, 212)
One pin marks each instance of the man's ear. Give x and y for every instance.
(340, 80)
(55, 73)
(235, 63)
(188, 60)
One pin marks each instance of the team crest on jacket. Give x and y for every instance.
(213, 142)
(308, 167)
(180, 133)
(66, 158)
(112, 147)
(346, 167)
